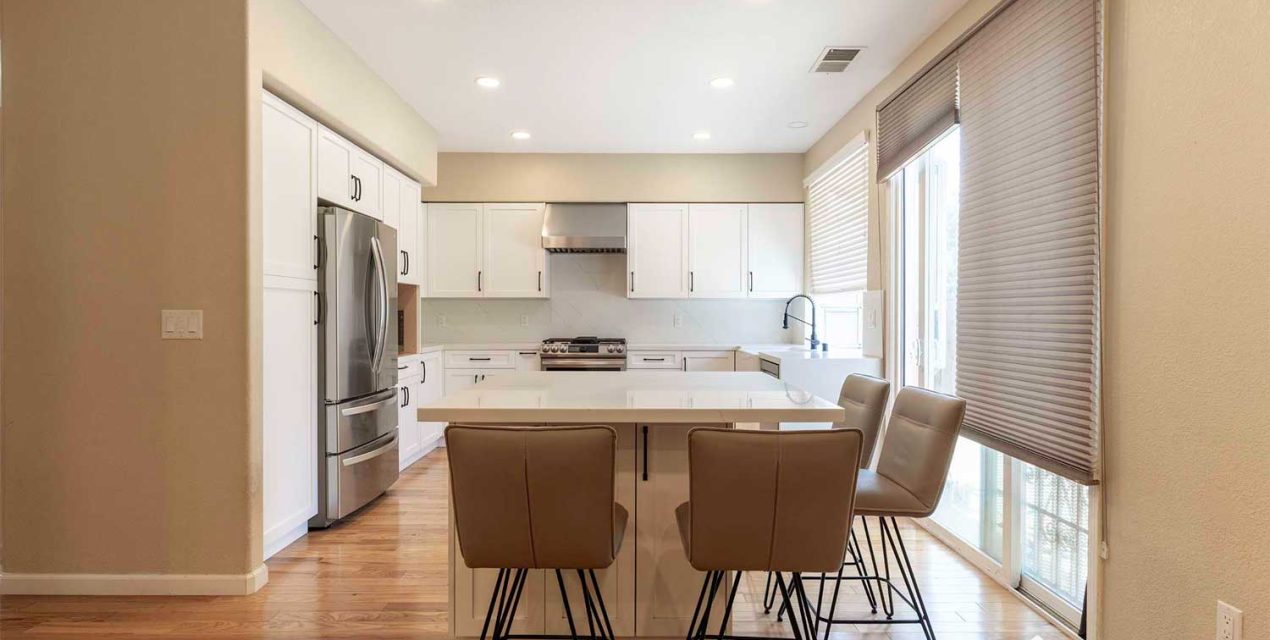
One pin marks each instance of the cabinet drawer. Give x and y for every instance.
(409, 368)
(480, 359)
(654, 360)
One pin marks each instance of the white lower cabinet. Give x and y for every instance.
(409, 432)
(289, 444)
(528, 361)
(460, 379)
(709, 361)
(431, 389)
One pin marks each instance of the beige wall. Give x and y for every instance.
(591, 177)
(305, 63)
(1187, 316)
(861, 117)
(125, 188)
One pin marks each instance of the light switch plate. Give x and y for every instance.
(181, 324)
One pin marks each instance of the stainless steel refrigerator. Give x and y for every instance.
(357, 362)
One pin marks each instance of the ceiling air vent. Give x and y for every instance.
(834, 59)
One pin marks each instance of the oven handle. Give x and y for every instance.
(614, 364)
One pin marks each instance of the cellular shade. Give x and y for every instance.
(838, 215)
(917, 115)
(1028, 314)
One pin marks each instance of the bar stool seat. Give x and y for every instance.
(877, 495)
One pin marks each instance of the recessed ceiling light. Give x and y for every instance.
(489, 82)
(701, 135)
(721, 83)
(797, 124)
(520, 135)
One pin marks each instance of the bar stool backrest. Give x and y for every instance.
(864, 399)
(919, 444)
(533, 497)
(771, 501)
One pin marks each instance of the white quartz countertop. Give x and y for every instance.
(805, 354)
(630, 396)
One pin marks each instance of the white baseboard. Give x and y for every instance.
(141, 584)
(284, 539)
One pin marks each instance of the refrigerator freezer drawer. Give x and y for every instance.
(354, 423)
(361, 475)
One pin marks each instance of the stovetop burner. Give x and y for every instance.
(584, 346)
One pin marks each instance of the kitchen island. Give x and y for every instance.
(650, 590)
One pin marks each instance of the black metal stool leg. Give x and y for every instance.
(591, 615)
(727, 609)
(696, 611)
(568, 612)
(493, 597)
(785, 591)
(769, 590)
(599, 598)
(888, 604)
(906, 569)
(715, 578)
(857, 559)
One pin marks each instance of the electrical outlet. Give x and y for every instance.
(1230, 622)
(441, 321)
(679, 320)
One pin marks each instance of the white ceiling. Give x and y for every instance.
(629, 75)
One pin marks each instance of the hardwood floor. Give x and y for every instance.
(384, 575)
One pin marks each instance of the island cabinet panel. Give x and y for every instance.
(667, 587)
(618, 581)
(472, 589)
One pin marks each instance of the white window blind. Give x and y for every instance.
(917, 116)
(1028, 315)
(838, 214)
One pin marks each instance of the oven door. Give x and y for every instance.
(584, 364)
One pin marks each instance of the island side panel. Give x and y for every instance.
(667, 587)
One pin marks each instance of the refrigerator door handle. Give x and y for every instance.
(381, 325)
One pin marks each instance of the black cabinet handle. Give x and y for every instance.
(632, 282)
(359, 188)
(407, 396)
(402, 397)
(540, 281)
(692, 281)
(317, 252)
(478, 359)
(478, 282)
(654, 359)
(404, 261)
(352, 187)
(317, 306)
(424, 364)
(407, 272)
(751, 282)
(645, 429)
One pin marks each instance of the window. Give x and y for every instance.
(840, 320)
(1046, 554)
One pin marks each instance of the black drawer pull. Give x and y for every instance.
(645, 429)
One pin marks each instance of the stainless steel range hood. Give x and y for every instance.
(585, 228)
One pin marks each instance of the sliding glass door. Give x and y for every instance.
(1025, 526)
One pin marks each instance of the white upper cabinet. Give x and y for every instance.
(515, 264)
(485, 251)
(348, 176)
(289, 141)
(776, 250)
(402, 212)
(717, 251)
(454, 250)
(411, 260)
(657, 251)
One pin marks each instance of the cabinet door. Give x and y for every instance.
(289, 141)
(657, 251)
(289, 445)
(368, 172)
(776, 250)
(335, 169)
(617, 582)
(709, 361)
(667, 586)
(717, 251)
(454, 250)
(410, 264)
(515, 263)
(392, 185)
(409, 434)
(431, 389)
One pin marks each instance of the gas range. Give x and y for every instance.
(584, 353)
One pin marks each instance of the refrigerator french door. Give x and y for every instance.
(357, 362)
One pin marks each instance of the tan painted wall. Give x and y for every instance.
(125, 156)
(305, 63)
(861, 117)
(1188, 316)
(590, 177)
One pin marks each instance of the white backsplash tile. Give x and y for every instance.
(588, 297)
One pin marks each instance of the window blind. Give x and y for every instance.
(917, 115)
(1028, 311)
(838, 214)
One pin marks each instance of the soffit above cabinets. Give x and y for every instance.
(630, 76)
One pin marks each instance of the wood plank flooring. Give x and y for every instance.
(384, 575)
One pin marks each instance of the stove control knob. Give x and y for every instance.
(611, 349)
(621, 348)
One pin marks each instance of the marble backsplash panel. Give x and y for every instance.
(588, 297)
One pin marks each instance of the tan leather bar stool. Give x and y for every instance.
(537, 498)
(766, 501)
(912, 467)
(863, 398)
